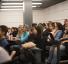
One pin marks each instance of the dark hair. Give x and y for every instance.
(39, 29)
(43, 24)
(34, 25)
(52, 24)
(59, 25)
(4, 29)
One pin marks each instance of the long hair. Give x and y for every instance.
(4, 29)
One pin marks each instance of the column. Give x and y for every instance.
(27, 12)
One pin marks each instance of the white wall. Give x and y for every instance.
(56, 12)
(11, 18)
(38, 16)
(15, 18)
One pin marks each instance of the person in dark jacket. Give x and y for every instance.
(36, 37)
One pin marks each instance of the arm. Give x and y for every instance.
(12, 54)
(58, 36)
(4, 56)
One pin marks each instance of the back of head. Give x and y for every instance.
(59, 26)
(4, 29)
(34, 25)
(39, 29)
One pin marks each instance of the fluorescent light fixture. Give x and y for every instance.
(20, 3)
(36, 3)
(11, 9)
(34, 6)
(14, 6)
(12, 0)
(11, 6)
(12, 3)
(14, 9)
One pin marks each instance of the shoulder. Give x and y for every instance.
(59, 31)
(5, 40)
(26, 33)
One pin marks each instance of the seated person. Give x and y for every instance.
(57, 34)
(65, 36)
(3, 41)
(64, 41)
(4, 45)
(22, 35)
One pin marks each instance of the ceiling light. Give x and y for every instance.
(11, 9)
(11, 6)
(12, 0)
(34, 6)
(12, 3)
(37, 3)
(14, 6)
(20, 3)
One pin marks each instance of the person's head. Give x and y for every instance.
(44, 26)
(51, 26)
(33, 31)
(3, 30)
(9, 29)
(16, 29)
(39, 29)
(34, 25)
(49, 21)
(65, 22)
(58, 26)
(22, 29)
(66, 29)
(12, 29)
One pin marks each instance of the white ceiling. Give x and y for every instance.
(11, 4)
